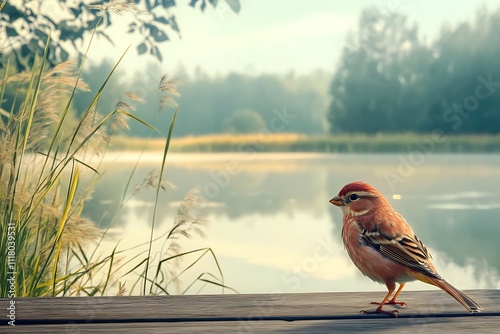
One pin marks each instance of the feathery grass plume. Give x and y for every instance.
(134, 96)
(56, 84)
(93, 138)
(187, 223)
(79, 231)
(62, 77)
(118, 122)
(164, 89)
(119, 7)
(151, 182)
(168, 89)
(42, 196)
(121, 289)
(41, 206)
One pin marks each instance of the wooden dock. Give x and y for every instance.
(427, 312)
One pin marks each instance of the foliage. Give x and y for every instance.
(244, 121)
(390, 81)
(43, 226)
(28, 23)
(211, 102)
(46, 175)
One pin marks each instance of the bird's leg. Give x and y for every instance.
(393, 300)
(393, 313)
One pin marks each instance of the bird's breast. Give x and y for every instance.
(351, 233)
(369, 260)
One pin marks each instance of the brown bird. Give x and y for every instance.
(384, 247)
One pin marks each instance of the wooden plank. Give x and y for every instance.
(433, 311)
(428, 325)
(254, 307)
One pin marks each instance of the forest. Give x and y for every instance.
(389, 80)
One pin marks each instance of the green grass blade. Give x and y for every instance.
(165, 152)
(64, 218)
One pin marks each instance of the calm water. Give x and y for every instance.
(273, 229)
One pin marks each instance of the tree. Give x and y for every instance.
(28, 24)
(245, 121)
(388, 81)
(209, 101)
(464, 57)
(379, 69)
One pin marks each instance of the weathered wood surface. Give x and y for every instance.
(427, 312)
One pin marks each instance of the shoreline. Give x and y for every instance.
(288, 143)
(207, 157)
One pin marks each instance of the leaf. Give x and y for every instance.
(235, 5)
(131, 27)
(70, 32)
(41, 34)
(11, 32)
(142, 48)
(76, 12)
(103, 34)
(214, 2)
(33, 45)
(158, 34)
(173, 24)
(25, 50)
(168, 3)
(64, 55)
(12, 12)
(155, 51)
(158, 55)
(161, 19)
(93, 23)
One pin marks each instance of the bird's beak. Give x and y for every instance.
(338, 201)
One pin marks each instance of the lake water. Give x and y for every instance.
(273, 229)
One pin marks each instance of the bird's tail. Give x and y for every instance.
(461, 297)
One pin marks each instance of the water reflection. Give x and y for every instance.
(274, 230)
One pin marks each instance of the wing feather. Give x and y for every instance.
(404, 249)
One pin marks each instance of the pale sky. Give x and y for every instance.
(278, 36)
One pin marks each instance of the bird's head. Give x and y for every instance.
(358, 199)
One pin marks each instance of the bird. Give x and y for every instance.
(383, 246)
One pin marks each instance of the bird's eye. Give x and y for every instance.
(353, 197)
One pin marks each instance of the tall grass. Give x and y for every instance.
(49, 164)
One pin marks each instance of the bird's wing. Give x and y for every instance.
(405, 249)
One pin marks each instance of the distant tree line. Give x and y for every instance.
(389, 80)
(236, 103)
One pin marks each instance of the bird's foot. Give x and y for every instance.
(391, 302)
(393, 313)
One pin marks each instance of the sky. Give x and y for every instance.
(277, 36)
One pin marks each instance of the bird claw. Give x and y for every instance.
(393, 313)
(391, 303)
